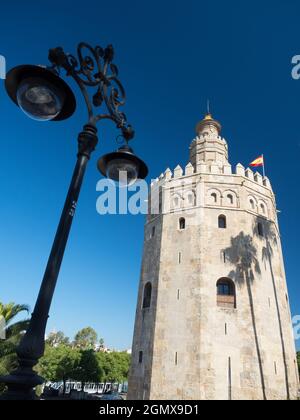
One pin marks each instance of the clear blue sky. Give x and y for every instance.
(172, 56)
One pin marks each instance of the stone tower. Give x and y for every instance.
(213, 318)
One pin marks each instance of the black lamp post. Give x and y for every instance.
(44, 96)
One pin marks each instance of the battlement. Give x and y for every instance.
(212, 169)
(204, 137)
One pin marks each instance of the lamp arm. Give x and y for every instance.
(93, 69)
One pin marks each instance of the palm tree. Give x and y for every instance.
(243, 255)
(12, 332)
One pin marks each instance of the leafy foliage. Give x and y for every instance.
(62, 360)
(59, 363)
(63, 363)
(13, 333)
(86, 338)
(115, 366)
(55, 339)
(88, 368)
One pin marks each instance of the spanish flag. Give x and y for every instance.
(258, 162)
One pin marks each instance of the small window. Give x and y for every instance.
(140, 357)
(147, 296)
(176, 201)
(260, 229)
(222, 222)
(176, 358)
(230, 198)
(263, 209)
(214, 197)
(153, 231)
(182, 223)
(252, 204)
(226, 296)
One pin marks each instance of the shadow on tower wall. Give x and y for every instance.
(243, 255)
(270, 239)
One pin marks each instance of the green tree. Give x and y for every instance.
(12, 334)
(55, 339)
(101, 343)
(59, 364)
(115, 366)
(86, 338)
(88, 368)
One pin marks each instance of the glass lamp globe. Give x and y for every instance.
(40, 99)
(123, 167)
(124, 172)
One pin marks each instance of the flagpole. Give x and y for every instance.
(264, 171)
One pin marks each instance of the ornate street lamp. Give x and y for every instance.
(44, 96)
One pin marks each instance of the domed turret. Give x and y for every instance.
(209, 125)
(209, 147)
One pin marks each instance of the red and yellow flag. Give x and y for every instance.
(258, 162)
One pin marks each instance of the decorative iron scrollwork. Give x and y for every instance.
(93, 69)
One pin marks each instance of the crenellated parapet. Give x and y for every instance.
(212, 169)
(212, 186)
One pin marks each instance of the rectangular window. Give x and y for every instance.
(225, 329)
(178, 294)
(153, 231)
(160, 200)
(179, 257)
(176, 358)
(140, 357)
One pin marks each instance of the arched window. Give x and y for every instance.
(260, 229)
(222, 222)
(252, 204)
(176, 202)
(230, 198)
(147, 296)
(214, 197)
(263, 209)
(226, 296)
(182, 223)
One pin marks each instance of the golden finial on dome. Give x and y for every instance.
(208, 120)
(208, 116)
